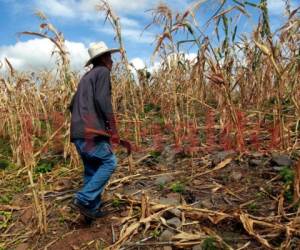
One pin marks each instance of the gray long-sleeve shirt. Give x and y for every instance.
(91, 105)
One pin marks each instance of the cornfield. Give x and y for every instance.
(240, 93)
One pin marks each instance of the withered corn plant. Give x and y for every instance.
(257, 75)
(131, 102)
(243, 85)
(35, 114)
(252, 75)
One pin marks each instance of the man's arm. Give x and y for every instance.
(103, 100)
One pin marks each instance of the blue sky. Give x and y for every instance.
(81, 25)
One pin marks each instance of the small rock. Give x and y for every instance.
(23, 246)
(221, 156)
(63, 184)
(236, 176)
(168, 155)
(162, 180)
(206, 203)
(27, 216)
(255, 162)
(171, 199)
(197, 247)
(19, 201)
(176, 212)
(174, 222)
(281, 160)
(171, 155)
(169, 214)
(166, 235)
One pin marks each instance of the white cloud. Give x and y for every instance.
(129, 22)
(57, 8)
(138, 63)
(86, 9)
(277, 7)
(130, 12)
(155, 67)
(78, 54)
(35, 54)
(172, 59)
(131, 34)
(190, 56)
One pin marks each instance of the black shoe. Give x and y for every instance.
(90, 214)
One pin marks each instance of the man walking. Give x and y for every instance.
(93, 127)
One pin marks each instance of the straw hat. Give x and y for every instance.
(98, 49)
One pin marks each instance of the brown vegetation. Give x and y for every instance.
(243, 95)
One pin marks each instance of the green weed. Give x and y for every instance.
(252, 207)
(5, 148)
(44, 167)
(161, 186)
(151, 107)
(155, 233)
(177, 187)
(288, 175)
(4, 164)
(5, 199)
(6, 217)
(210, 243)
(61, 220)
(155, 154)
(116, 202)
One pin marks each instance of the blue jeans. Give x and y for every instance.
(99, 163)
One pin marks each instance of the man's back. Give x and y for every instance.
(91, 105)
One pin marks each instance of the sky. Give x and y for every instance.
(83, 25)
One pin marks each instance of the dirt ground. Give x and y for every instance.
(217, 200)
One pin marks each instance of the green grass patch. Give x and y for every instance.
(44, 167)
(155, 233)
(4, 164)
(5, 199)
(210, 243)
(151, 107)
(252, 207)
(5, 149)
(177, 187)
(6, 217)
(116, 202)
(287, 175)
(155, 154)
(161, 186)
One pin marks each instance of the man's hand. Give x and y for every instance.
(115, 138)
